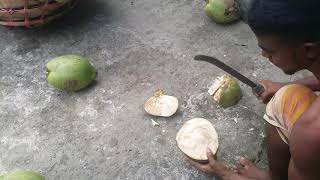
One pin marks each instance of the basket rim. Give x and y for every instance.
(30, 23)
(38, 20)
(39, 4)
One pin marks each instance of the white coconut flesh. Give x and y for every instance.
(161, 105)
(195, 136)
(216, 89)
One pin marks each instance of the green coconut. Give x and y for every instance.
(222, 11)
(226, 91)
(70, 72)
(22, 175)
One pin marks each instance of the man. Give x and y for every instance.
(288, 32)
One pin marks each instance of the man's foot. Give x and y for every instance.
(248, 169)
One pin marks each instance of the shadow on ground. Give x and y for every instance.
(82, 14)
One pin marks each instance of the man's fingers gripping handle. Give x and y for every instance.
(259, 89)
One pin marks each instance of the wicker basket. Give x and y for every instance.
(31, 13)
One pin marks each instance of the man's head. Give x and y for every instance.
(288, 32)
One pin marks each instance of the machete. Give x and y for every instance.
(257, 88)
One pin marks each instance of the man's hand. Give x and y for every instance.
(213, 167)
(270, 88)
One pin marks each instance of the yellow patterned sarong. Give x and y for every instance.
(287, 105)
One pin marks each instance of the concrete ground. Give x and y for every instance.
(102, 132)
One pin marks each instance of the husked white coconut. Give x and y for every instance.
(195, 136)
(161, 104)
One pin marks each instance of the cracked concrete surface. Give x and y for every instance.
(102, 132)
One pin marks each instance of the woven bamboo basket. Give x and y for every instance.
(31, 13)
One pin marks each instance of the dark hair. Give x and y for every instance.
(294, 19)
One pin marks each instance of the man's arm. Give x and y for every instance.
(305, 145)
(311, 82)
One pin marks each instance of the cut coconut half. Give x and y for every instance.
(161, 104)
(195, 136)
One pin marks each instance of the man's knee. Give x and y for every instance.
(292, 100)
(294, 91)
(287, 106)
